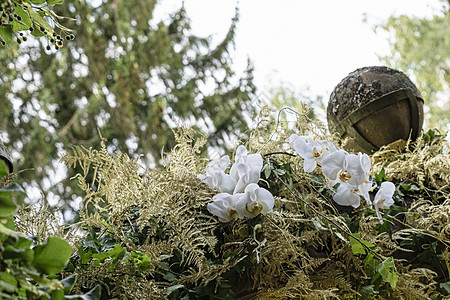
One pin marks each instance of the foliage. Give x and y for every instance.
(420, 47)
(33, 16)
(129, 75)
(27, 269)
(151, 236)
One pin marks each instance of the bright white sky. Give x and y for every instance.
(311, 44)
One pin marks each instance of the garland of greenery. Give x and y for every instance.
(148, 234)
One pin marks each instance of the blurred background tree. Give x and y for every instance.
(131, 77)
(421, 48)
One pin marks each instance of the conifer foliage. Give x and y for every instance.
(132, 77)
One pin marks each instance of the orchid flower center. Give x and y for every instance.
(315, 153)
(233, 214)
(254, 207)
(345, 176)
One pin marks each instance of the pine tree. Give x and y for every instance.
(124, 74)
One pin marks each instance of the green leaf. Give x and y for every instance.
(7, 206)
(39, 21)
(53, 2)
(51, 257)
(58, 294)
(357, 247)
(172, 288)
(84, 256)
(266, 170)
(8, 282)
(9, 223)
(17, 26)
(116, 253)
(368, 291)
(446, 286)
(388, 272)
(37, 1)
(25, 255)
(69, 283)
(369, 265)
(8, 232)
(6, 33)
(93, 294)
(380, 177)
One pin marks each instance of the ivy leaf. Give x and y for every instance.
(380, 177)
(69, 283)
(388, 272)
(172, 289)
(116, 253)
(357, 247)
(446, 286)
(51, 257)
(85, 256)
(37, 1)
(368, 291)
(266, 170)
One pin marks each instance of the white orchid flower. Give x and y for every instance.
(215, 176)
(364, 189)
(311, 149)
(383, 198)
(246, 169)
(223, 206)
(253, 201)
(349, 195)
(342, 167)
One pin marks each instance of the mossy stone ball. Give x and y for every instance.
(375, 106)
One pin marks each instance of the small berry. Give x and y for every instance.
(19, 18)
(52, 41)
(3, 43)
(48, 47)
(42, 28)
(31, 29)
(24, 38)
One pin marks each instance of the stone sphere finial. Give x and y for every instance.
(375, 106)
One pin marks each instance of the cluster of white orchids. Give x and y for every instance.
(240, 196)
(351, 171)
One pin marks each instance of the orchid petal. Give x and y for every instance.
(333, 164)
(346, 197)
